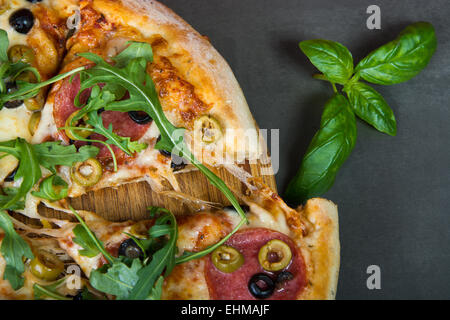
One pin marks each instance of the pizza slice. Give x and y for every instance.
(194, 85)
(281, 254)
(45, 265)
(33, 33)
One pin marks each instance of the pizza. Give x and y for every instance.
(99, 93)
(37, 35)
(196, 87)
(285, 254)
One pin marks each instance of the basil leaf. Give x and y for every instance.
(13, 250)
(328, 150)
(331, 58)
(117, 279)
(52, 188)
(402, 58)
(51, 154)
(370, 106)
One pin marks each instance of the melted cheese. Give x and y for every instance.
(13, 36)
(14, 123)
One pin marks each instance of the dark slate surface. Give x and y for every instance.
(393, 193)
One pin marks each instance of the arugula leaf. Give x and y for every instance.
(11, 193)
(13, 250)
(156, 292)
(51, 154)
(133, 77)
(370, 106)
(52, 188)
(89, 239)
(328, 150)
(401, 59)
(29, 170)
(27, 89)
(163, 259)
(133, 51)
(124, 143)
(117, 279)
(88, 243)
(9, 69)
(40, 292)
(98, 100)
(47, 154)
(4, 45)
(331, 58)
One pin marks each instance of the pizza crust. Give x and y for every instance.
(315, 229)
(198, 63)
(321, 249)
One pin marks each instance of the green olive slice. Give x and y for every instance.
(86, 173)
(227, 259)
(140, 230)
(46, 266)
(21, 53)
(33, 123)
(275, 255)
(79, 124)
(207, 129)
(36, 102)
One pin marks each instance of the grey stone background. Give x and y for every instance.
(393, 192)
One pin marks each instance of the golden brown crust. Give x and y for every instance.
(321, 248)
(315, 229)
(196, 61)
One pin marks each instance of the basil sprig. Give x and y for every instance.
(395, 62)
(328, 150)
(401, 59)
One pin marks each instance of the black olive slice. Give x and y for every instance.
(139, 117)
(282, 278)
(178, 163)
(10, 177)
(163, 152)
(34, 1)
(130, 249)
(261, 286)
(22, 20)
(244, 207)
(78, 296)
(10, 88)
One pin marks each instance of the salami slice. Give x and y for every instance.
(122, 124)
(234, 286)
